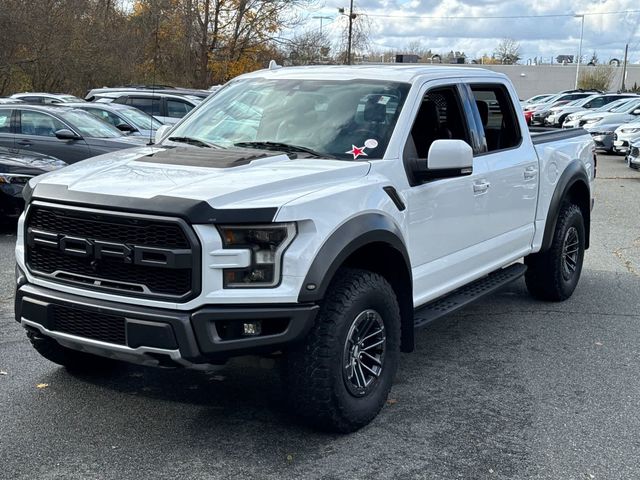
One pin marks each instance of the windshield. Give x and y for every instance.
(626, 107)
(139, 119)
(330, 117)
(88, 125)
(611, 106)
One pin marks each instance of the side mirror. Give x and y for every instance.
(125, 127)
(66, 134)
(447, 158)
(162, 132)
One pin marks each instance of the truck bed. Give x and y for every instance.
(544, 135)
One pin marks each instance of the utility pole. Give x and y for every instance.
(624, 65)
(351, 16)
(579, 48)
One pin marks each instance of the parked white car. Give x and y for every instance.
(573, 120)
(625, 135)
(560, 113)
(534, 99)
(625, 113)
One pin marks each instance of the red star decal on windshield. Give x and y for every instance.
(356, 151)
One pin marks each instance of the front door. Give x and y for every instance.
(36, 133)
(448, 218)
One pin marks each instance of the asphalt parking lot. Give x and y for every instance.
(508, 388)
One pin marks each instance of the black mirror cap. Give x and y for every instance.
(66, 134)
(125, 127)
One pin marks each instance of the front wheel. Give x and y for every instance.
(339, 377)
(553, 275)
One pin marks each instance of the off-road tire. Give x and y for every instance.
(547, 276)
(317, 389)
(72, 360)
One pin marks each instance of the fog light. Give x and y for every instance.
(251, 329)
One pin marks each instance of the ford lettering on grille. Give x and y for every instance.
(135, 255)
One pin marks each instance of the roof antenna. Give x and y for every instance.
(273, 65)
(153, 81)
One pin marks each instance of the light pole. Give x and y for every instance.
(320, 17)
(580, 47)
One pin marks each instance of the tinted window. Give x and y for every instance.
(595, 103)
(501, 127)
(177, 108)
(439, 118)
(5, 121)
(31, 99)
(38, 123)
(146, 104)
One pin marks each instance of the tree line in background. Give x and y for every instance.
(75, 45)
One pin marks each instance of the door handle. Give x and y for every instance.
(481, 186)
(530, 172)
(24, 143)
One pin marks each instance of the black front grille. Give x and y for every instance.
(48, 227)
(96, 326)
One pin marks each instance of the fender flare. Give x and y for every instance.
(358, 232)
(346, 239)
(574, 173)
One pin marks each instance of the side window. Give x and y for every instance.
(146, 104)
(5, 121)
(177, 108)
(37, 123)
(31, 99)
(498, 117)
(439, 118)
(50, 101)
(596, 102)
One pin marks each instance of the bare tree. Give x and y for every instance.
(507, 52)
(360, 36)
(596, 78)
(308, 47)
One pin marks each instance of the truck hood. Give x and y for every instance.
(224, 178)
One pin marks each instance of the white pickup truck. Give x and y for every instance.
(320, 214)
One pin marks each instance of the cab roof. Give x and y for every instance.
(391, 72)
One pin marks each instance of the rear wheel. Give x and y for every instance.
(72, 360)
(553, 275)
(339, 378)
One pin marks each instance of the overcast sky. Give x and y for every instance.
(548, 37)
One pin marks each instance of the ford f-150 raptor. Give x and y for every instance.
(320, 213)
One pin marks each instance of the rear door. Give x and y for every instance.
(177, 108)
(36, 133)
(512, 165)
(7, 137)
(151, 105)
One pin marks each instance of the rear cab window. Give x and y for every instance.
(498, 117)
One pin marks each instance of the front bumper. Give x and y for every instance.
(153, 336)
(603, 141)
(633, 161)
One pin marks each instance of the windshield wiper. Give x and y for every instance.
(194, 141)
(283, 147)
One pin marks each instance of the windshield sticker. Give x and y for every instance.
(384, 99)
(371, 143)
(356, 151)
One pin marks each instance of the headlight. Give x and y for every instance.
(266, 244)
(630, 130)
(594, 120)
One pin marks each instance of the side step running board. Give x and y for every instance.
(463, 296)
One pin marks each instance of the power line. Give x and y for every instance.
(498, 17)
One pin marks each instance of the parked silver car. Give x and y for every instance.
(129, 120)
(169, 108)
(43, 98)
